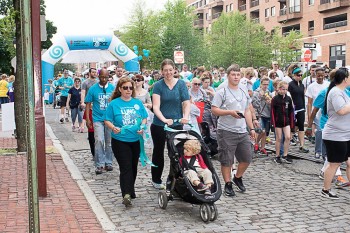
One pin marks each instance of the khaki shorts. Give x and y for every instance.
(231, 145)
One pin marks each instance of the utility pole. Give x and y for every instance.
(25, 74)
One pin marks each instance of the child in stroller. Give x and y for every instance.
(179, 185)
(194, 167)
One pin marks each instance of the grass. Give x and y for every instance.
(7, 151)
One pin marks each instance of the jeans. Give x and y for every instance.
(76, 112)
(127, 155)
(103, 148)
(159, 137)
(320, 147)
(4, 100)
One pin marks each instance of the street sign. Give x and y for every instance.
(179, 57)
(307, 55)
(310, 45)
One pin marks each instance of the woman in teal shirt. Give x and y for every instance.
(126, 116)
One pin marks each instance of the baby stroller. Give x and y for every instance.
(179, 186)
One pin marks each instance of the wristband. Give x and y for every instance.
(255, 119)
(252, 129)
(308, 128)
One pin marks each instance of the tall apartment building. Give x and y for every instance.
(323, 22)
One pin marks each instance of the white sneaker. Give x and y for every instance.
(158, 186)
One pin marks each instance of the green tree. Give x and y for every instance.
(50, 30)
(286, 48)
(234, 39)
(7, 35)
(177, 30)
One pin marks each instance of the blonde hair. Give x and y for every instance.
(249, 72)
(282, 83)
(11, 78)
(276, 82)
(193, 146)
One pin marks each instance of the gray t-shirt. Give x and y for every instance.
(87, 84)
(337, 127)
(238, 100)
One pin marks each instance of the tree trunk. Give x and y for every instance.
(19, 88)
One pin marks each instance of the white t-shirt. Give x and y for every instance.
(287, 79)
(185, 74)
(315, 88)
(46, 96)
(115, 80)
(145, 83)
(307, 81)
(244, 81)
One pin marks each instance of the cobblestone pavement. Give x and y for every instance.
(279, 198)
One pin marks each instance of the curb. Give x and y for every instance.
(96, 207)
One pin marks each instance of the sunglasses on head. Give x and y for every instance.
(196, 84)
(138, 80)
(128, 87)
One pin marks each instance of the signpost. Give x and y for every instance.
(179, 57)
(307, 55)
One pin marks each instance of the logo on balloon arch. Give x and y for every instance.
(121, 50)
(56, 52)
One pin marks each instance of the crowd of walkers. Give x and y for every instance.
(242, 105)
(7, 94)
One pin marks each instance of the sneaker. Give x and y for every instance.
(312, 140)
(73, 128)
(263, 152)
(201, 187)
(340, 182)
(67, 120)
(99, 170)
(158, 186)
(278, 160)
(207, 192)
(256, 148)
(81, 130)
(268, 140)
(318, 155)
(62, 120)
(287, 159)
(109, 168)
(127, 200)
(239, 184)
(295, 138)
(303, 149)
(292, 142)
(229, 190)
(329, 194)
(133, 196)
(321, 175)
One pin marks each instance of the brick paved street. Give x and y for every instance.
(279, 198)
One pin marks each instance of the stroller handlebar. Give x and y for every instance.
(167, 128)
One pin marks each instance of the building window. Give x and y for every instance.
(231, 7)
(273, 11)
(227, 8)
(311, 25)
(267, 12)
(311, 2)
(337, 56)
(335, 21)
(206, 16)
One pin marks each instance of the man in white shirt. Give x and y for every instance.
(185, 73)
(118, 75)
(275, 68)
(310, 79)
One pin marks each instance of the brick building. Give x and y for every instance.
(323, 22)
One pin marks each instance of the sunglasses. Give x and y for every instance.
(299, 75)
(138, 80)
(127, 87)
(196, 84)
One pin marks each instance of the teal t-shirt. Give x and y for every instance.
(170, 100)
(65, 81)
(99, 99)
(319, 103)
(121, 113)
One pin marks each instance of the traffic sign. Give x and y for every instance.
(307, 55)
(310, 45)
(179, 57)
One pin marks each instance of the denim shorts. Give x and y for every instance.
(265, 124)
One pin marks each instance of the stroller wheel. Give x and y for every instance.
(162, 200)
(214, 212)
(205, 212)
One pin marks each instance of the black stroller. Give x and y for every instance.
(179, 185)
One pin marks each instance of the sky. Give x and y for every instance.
(79, 17)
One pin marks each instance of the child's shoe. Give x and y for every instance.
(201, 187)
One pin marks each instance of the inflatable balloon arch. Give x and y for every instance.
(111, 43)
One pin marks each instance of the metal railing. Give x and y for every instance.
(329, 1)
(283, 11)
(216, 15)
(254, 3)
(198, 22)
(294, 9)
(255, 20)
(336, 24)
(242, 7)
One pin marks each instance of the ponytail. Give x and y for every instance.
(331, 85)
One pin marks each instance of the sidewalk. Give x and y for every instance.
(65, 209)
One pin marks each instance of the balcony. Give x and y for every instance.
(216, 15)
(199, 10)
(242, 7)
(216, 3)
(335, 25)
(198, 23)
(290, 13)
(254, 3)
(327, 5)
(255, 20)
